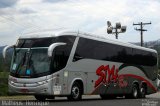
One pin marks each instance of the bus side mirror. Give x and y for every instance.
(53, 46)
(5, 50)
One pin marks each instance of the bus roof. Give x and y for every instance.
(55, 33)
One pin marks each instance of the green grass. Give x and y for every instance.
(17, 97)
(4, 75)
(3, 89)
(4, 83)
(3, 86)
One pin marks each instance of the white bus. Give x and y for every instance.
(73, 63)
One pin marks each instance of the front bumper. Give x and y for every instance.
(43, 89)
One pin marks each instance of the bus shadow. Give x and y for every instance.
(83, 100)
(99, 99)
(89, 100)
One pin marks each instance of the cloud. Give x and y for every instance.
(26, 11)
(86, 15)
(54, 1)
(7, 3)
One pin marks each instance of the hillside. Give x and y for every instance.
(149, 44)
(1, 48)
(4, 65)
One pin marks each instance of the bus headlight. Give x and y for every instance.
(46, 81)
(42, 82)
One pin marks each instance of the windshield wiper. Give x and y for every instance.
(22, 61)
(30, 63)
(20, 47)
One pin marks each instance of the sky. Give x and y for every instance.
(18, 17)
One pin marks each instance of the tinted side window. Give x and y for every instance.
(84, 49)
(93, 49)
(141, 57)
(62, 53)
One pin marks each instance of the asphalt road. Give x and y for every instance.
(151, 100)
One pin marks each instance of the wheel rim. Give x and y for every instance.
(75, 92)
(142, 92)
(135, 92)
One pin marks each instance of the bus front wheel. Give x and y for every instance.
(76, 92)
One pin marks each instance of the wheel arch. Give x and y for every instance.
(78, 80)
(136, 83)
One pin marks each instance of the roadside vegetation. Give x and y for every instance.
(4, 72)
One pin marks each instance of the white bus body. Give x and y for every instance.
(73, 63)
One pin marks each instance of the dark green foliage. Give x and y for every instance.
(3, 86)
(5, 64)
(0, 65)
(4, 72)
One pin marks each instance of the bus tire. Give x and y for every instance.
(76, 92)
(40, 97)
(142, 92)
(135, 92)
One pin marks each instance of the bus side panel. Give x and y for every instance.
(106, 77)
(67, 73)
(118, 83)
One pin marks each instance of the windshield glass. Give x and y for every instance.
(19, 58)
(31, 59)
(39, 60)
(30, 62)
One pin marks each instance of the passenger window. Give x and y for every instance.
(61, 53)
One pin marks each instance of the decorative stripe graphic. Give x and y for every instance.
(137, 66)
(131, 76)
(142, 79)
(107, 75)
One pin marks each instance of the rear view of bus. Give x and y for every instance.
(36, 64)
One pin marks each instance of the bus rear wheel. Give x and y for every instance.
(40, 97)
(135, 92)
(76, 92)
(143, 92)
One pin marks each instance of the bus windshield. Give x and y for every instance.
(30, 62)
(31, 59)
